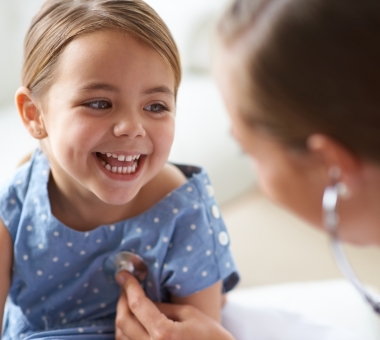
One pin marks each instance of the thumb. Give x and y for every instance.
(123, 276)
(144, 310)
(129, 283)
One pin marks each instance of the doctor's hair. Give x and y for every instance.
(309, 67)
(61, 21)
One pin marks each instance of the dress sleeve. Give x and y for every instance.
(198, 255)
(10, 209)
(12, 196)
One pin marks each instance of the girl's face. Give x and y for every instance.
(292, 178)
(109, 116)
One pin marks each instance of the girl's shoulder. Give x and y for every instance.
(166, 181)
(171, 178)
(17, 184)
(174, 180)
(12, 197)
(174, 177)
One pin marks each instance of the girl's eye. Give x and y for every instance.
(99, 105)
(156, 108)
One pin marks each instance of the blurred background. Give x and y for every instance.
(270, 245)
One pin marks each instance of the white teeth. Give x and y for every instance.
(120, 169)
(121, 158)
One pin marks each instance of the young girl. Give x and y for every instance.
(100, 81)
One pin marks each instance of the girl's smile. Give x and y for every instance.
(119, 163)
(120, 166)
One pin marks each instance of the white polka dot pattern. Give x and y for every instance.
(215, 211)
(179, 238)
(223, 238)
(210, 190)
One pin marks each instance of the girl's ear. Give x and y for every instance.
(337, 159)
(29, 113)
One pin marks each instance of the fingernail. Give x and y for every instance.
(120, 278)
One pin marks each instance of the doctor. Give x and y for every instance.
(301, 82)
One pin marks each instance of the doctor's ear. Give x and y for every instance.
(29, 113)
(338, 161)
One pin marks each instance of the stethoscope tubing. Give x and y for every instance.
(331, 221)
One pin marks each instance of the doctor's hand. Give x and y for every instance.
(138, 318)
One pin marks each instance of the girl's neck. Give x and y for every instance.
(85, 212)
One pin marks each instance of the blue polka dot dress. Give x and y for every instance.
(61, 287)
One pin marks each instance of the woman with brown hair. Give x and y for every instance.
(301, 83)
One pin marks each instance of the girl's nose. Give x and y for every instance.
(129, 125)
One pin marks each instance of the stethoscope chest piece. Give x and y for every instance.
(129, 261)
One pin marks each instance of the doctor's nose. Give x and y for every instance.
(129, 125)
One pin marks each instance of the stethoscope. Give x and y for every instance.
(331, 221)
(126, 260)
(135, 264)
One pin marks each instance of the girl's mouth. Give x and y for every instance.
(119, 163)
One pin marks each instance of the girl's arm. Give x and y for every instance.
(6, 259)
(208, 301)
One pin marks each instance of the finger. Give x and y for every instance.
(119, 335)
(127, 326)
(194, 323)
(179, 313)
(143, 309)
(224, 299)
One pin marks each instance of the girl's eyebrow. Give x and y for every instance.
(107, 87)
(98, 86)
(159, 89)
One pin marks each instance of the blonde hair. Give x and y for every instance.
(60, 21)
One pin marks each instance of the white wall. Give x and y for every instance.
(15, 16)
